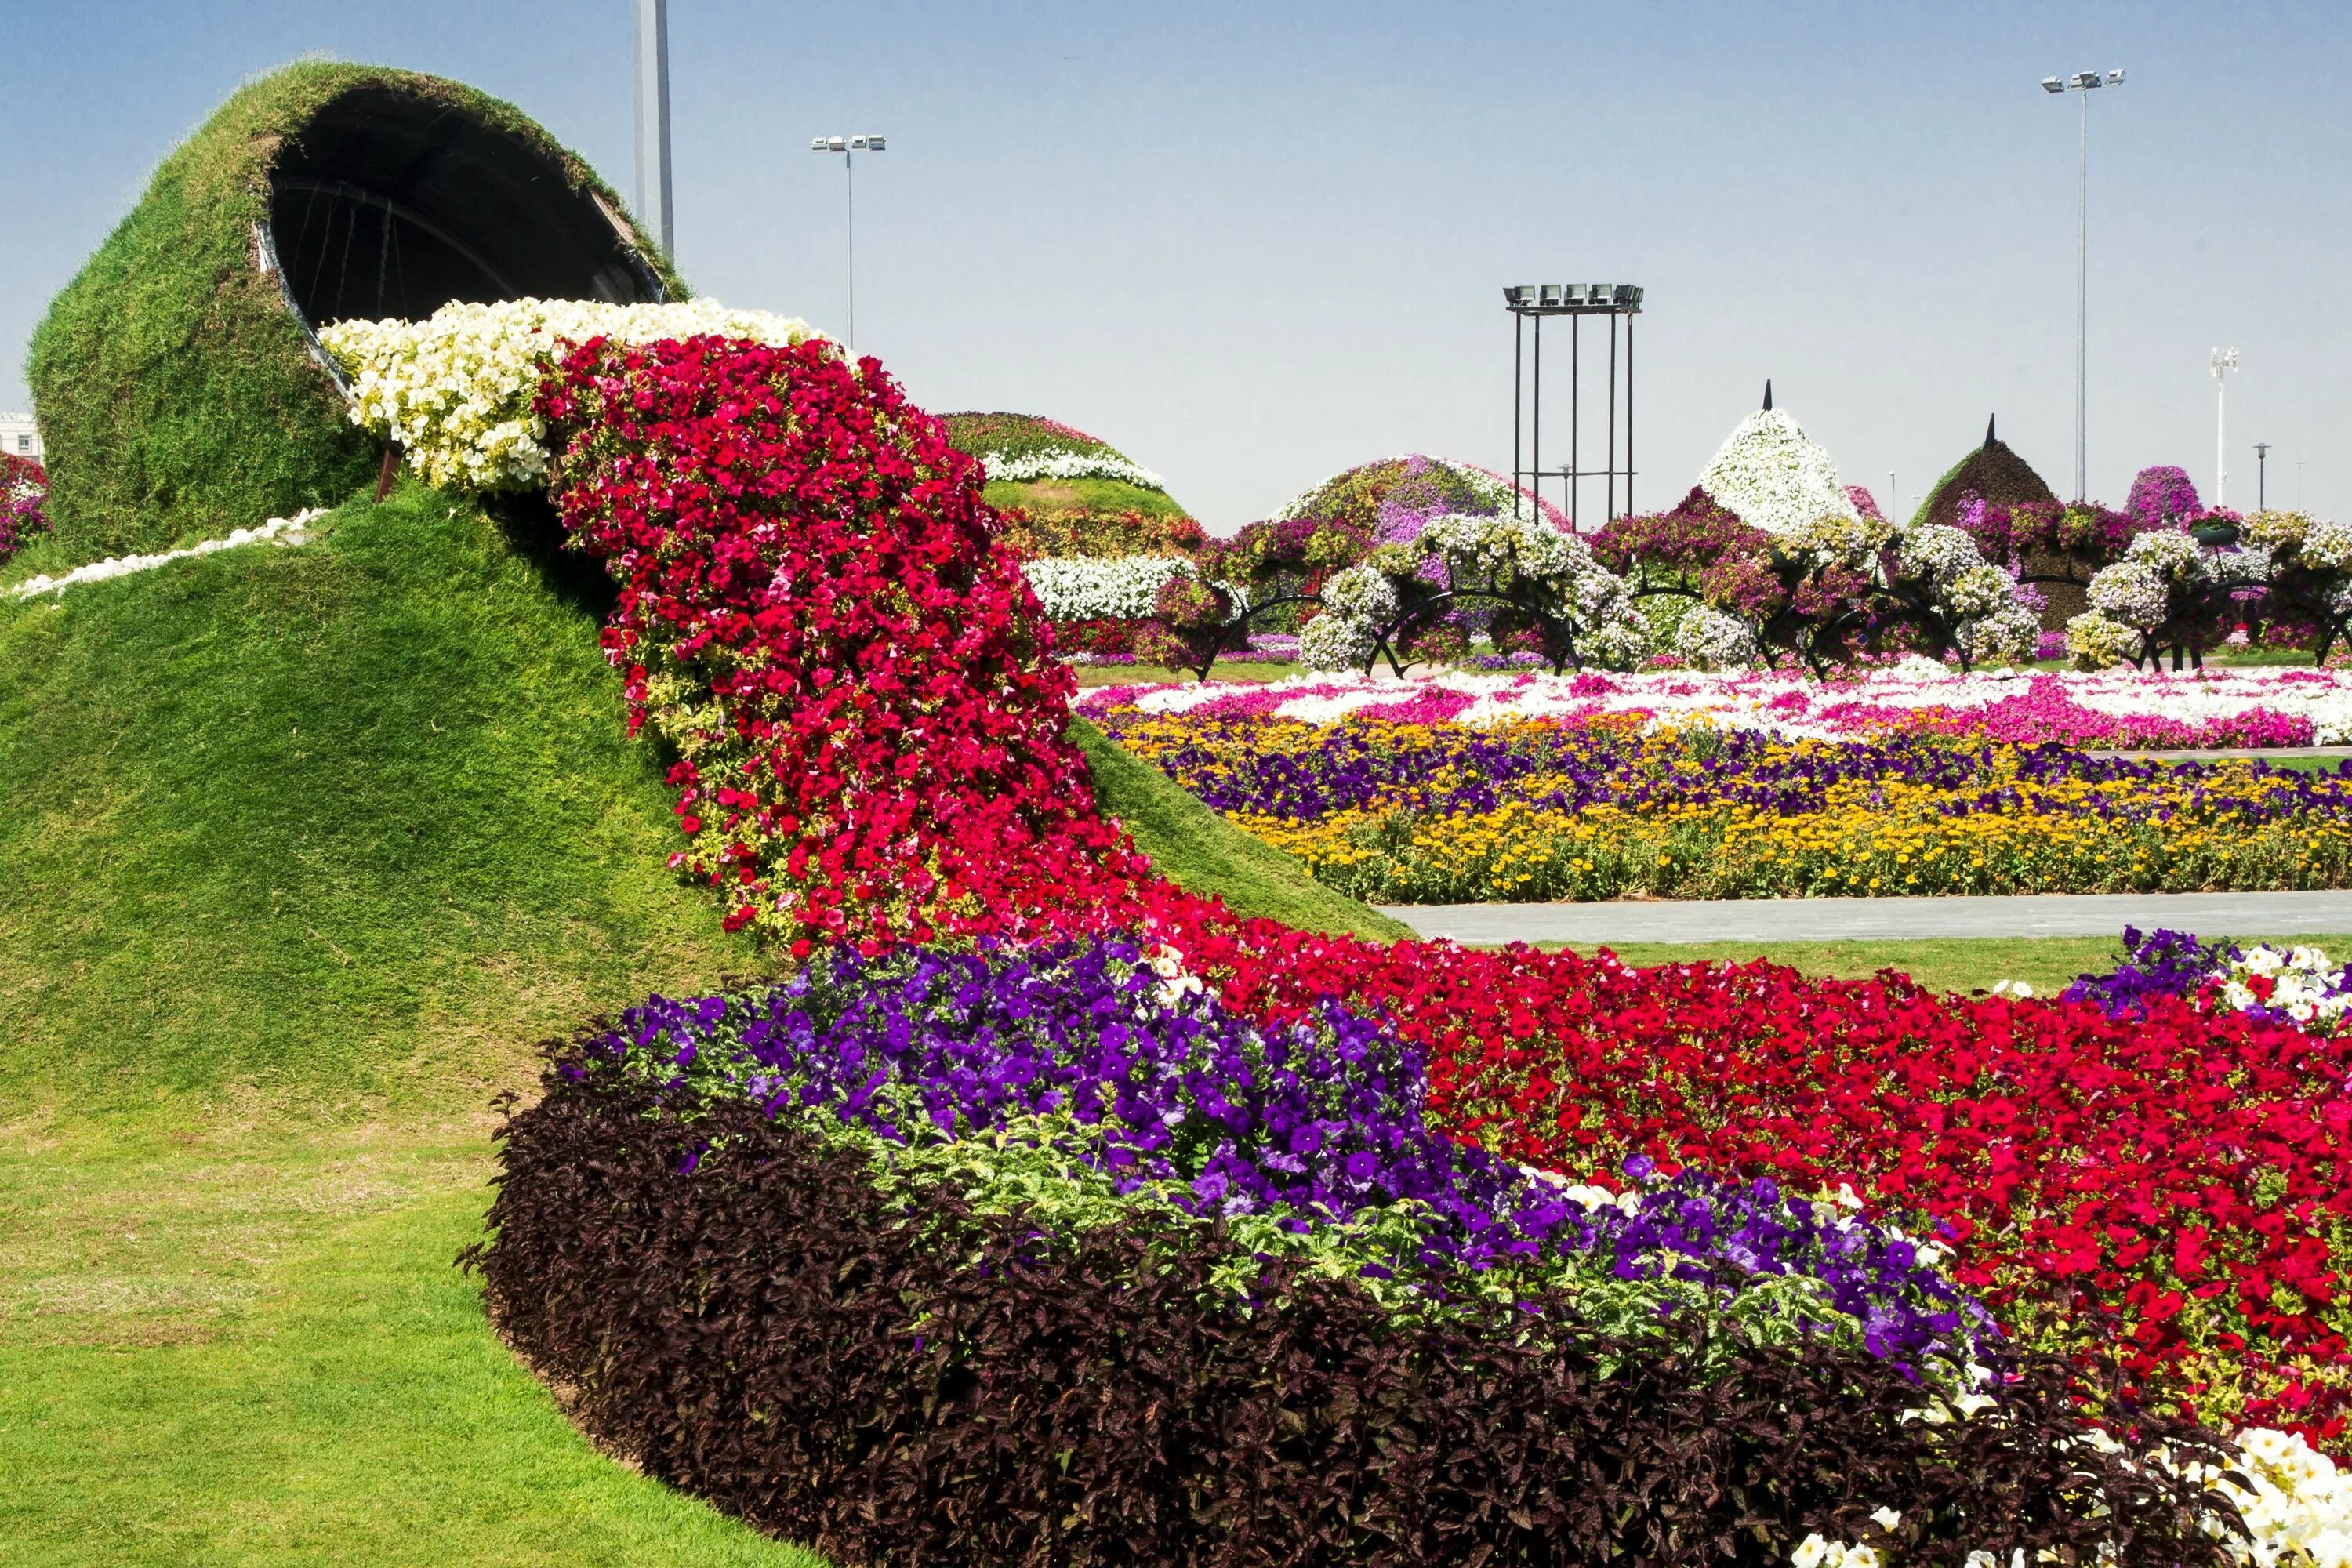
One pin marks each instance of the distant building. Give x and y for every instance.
(19, 436)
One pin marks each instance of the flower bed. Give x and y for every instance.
(2115, 709)
(1404, 810)
(894, 1372)
(2190, 1173)
(2295, 985)
(1101, 1230)
(893, 1256)
(23, 490)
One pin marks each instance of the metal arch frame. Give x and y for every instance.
(360, 196)
(1386, 640)
(267, 262)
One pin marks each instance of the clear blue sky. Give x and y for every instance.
(1254, 243)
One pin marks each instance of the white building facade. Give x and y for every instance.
(20, 436)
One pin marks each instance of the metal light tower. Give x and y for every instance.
(2223, 362)
(652, 38)
(1534, 301)
(2083, 82)
(2262, 476)
(848, 146)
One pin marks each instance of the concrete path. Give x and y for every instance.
(1856, 920)
(2221, 753)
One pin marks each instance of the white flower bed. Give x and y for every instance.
(456, 389)
(1094, 588)
(2296, 1505)
(1070, 466)
(278, 530)
(1775, 476)
(2063, 706)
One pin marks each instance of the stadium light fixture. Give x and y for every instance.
(847, 146)
(2083, 82)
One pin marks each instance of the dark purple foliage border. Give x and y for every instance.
(770, 1334)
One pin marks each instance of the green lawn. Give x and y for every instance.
(1944, 964)
(249, 1347)
(305, 850)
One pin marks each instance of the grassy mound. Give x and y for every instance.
(1992, 471)
(306, 847)
(1197, 850)
(1021, 435)
(328, 821)
(177, 393)
(1047, 497)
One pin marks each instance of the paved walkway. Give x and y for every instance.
(2220, 753)
(1856, 920)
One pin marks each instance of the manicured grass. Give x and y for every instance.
(306, 849)
(1942, 963)
(1114, 496)
(339, 822)
(251, 1348)
(1196, 848)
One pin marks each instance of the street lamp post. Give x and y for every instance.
(847, 146)
(2223, 362)
(651, 37)
(2262, 476)
(2082, 82)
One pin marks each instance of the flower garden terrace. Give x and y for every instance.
(1538, 809)
(1021, 1092)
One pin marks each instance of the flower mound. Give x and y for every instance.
(1048, 1211)
(1016, 446)
(1775, 476)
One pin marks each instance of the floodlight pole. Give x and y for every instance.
(848, 147)
(849, 239)
(2082, 82)
(2082, 302)
(651, 35)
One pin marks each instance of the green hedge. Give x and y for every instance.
(177, 396)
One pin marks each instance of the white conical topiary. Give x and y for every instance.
(1775, 476)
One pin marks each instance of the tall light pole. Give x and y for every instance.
(2262, 476)
(848, 147)
(2082, 82)
(2223, 362)
(651, 37)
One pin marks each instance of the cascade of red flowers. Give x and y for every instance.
(815, 613)
(870, 733)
